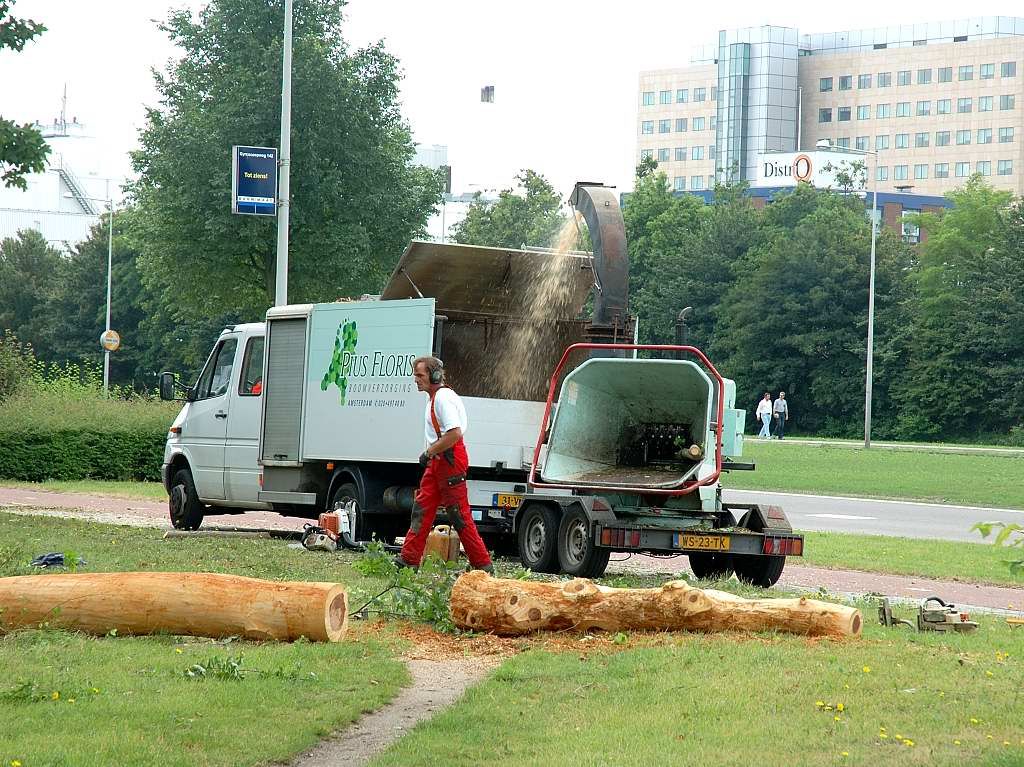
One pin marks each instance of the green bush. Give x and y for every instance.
(58, 425)
(17, 363)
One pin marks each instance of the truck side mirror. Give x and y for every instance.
(167, 386)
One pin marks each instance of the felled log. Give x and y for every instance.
(510, 607)
(199, 604)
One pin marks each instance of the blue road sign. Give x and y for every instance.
(254, 180)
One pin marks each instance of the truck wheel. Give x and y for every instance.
(711, 567)
(536, 534)
(577, 554)
(344, 493)
(184, 505)
(758, 571)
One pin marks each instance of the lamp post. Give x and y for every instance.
(826, 144)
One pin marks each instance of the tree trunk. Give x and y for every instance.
(510, 607)
(200, 604)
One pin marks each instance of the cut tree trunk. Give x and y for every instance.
(510, 607)
(199, 604)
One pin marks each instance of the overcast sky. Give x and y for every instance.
(565, 73)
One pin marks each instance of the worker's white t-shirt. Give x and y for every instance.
(450, 412)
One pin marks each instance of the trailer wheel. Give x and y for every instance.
(711, 567)
(185, 508)
(758, 571)
(536, 536)
(577, 553)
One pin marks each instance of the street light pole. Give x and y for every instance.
(110, 263)
(281, 281)
(868, 380)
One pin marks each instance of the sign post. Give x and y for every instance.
(254, 180)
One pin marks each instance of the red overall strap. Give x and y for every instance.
(433, 415)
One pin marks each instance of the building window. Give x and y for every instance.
(924, 76)
(696, 182)
(902, 140)
(863, 81)
(682, 95)
(697, 153)
(864, 112)
(984, 167)
(712, 152)
(680, 154)
(911, 231)
(713, 122)
(663, 154)
(921, 171)
(963, 105)
(698, 123)
(646, 154)
(884, 79)
(824, 84)
(861, 143)
(843, 143)
(843, 114)
(1004, 167)
(679, 183)
(1008, 69)
(942, 170)
(921, 139)
(714, 93)
(665, 97)
(903, 109)
(986, 71)
(900, 172)
(883, 110)
(1005, 135)
(984, 103)
(647, 127)
(924, 108)
(845, 82)
(882, 173)
(962, 169)
(699, 94)
(945, 74)
(680, 125)
(881, 142)
(965, 72)
(1006, 102)
(963, 137)
(825, 115)
(648, 98)
(903, 77)
(943, 106)
(984, 136)
(942, 138)
(664, 126)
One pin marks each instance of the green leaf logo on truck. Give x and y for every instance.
(345, 341)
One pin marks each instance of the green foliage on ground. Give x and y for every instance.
(58, 425)
(740, 700)
(955, 478)
(66, 698)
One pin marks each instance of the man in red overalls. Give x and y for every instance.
(444, 481)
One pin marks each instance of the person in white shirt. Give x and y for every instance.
(443, 485)
(764, 415)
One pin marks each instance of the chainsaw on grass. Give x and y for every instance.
(934, 614)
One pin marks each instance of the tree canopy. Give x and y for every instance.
(528, 215)
(22, 148)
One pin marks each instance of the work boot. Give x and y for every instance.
(400, 563)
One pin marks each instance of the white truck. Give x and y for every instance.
(317, 406)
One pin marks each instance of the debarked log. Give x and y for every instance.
(198, 604)
(510, 607)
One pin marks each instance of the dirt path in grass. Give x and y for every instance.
(142, 513)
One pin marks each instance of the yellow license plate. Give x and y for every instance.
(702, 542)
(507, 500)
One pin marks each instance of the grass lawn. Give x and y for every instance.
(146, 491)
(973, 480)
(906, 699)
(68, 698)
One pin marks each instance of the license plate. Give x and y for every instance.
(507, 500)
(702, 542)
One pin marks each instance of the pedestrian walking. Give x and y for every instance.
(764, 415)
(780, 410)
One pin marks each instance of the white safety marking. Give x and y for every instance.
(840, 516)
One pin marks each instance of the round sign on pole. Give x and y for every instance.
(110, 340)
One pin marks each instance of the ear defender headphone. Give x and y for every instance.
(437, 373)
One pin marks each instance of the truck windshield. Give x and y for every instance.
(216, 377)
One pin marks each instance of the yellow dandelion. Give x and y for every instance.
(178, 650)
(867, 669)
(956, 742)
(908, 742)
(835, 719)
(819, 703)
(1006, 742)
(942, 694)
(845, 753)
(988, 673)
(95, 690)
(989, 737)
(881, 729)
(71, 700)
(974, 721)
(840, 707)
(846, 687)
(54, 695)
(882, 735)
(15, 763)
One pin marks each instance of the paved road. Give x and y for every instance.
(907, 519)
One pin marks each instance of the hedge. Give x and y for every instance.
(72, 454)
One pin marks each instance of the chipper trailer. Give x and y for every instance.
(582, 443)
